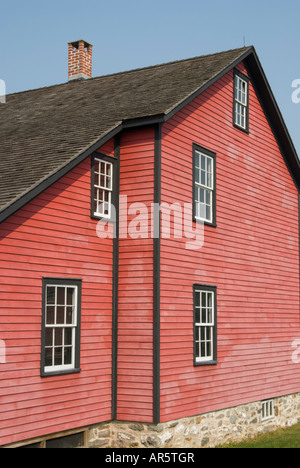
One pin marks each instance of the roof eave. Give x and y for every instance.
(25, 198)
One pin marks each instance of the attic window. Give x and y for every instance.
(241, 101)
(102, 187)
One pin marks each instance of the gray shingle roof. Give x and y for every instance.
(43, 130)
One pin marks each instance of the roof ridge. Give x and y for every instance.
(133, 70)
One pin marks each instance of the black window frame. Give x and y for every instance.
(237, 73)
(213, 155)
(65, 282)
(112, 160)
(214, 360)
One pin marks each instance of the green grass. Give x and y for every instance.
(283, 438)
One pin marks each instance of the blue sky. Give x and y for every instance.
(128, 34)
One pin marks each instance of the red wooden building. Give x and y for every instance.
(135, 326)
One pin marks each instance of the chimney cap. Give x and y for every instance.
(76, 43)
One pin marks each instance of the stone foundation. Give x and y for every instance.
(206, 430)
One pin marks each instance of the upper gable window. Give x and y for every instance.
(241, 101)
(102, 188)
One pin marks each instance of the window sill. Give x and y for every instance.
(206, 223)
(245, 130)
(61, 372)
(208, 363)
(101, 218)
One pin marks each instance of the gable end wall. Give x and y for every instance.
(252, 256)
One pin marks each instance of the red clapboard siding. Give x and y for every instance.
(135, 353)
(54, 236)
(252, 256)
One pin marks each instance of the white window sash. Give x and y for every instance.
(207, 325)
(241, 105)
(98, 187)
(73, 326)
(208, 188)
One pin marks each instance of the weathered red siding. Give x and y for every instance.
(135, 341)
(54, 236)
(252, 256)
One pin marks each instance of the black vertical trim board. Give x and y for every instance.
(115, 298)
(156, 277)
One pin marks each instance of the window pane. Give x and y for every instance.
(68, 336)
(58, 356)
(208, 213)
(197, 214)
(202, 212)
(61, 296)
(208, 349)
(60, 315)
(67, 356)
(50, 295)
(50, 315)
(70, 296)
(202, 195)
(197, 349)
(203, 315)
(58, 337)
(70, 316)
(48, 357)
(49, 337)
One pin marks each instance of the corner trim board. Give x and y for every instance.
(156, 277)
(115, 292)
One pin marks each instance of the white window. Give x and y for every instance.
(61, 337)
(267, 411)
(205, 324)
(204, 187)
(241, 102)
(103, 187)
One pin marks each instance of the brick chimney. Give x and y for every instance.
(80, 60)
